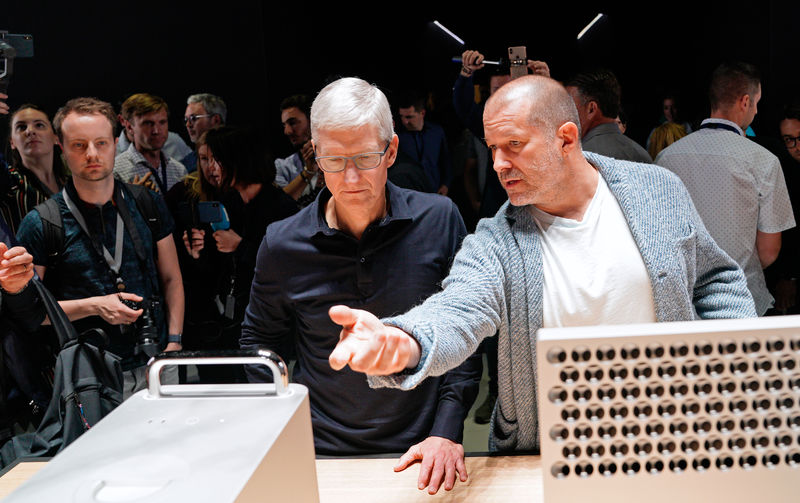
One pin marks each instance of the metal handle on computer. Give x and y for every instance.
(275, 363)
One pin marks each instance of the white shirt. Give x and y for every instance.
(593, 271)
(738, 188)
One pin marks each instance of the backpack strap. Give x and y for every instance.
(52, 231)
(147, 207)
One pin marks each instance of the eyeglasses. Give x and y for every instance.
(363, 161)
(194, 117)
(790, 141)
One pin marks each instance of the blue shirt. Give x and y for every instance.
(82, 273)
(429, 148)
(304, 267)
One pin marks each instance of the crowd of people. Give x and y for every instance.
(327, 256)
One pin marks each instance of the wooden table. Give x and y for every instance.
(491, 479)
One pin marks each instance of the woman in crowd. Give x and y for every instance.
(218, 265)
(670, 115)
(203, 268)
(36, 171)
(248, 172)
(663, 136)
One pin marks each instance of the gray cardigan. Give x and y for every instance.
(495, 285)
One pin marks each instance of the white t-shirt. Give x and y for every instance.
(593, 271)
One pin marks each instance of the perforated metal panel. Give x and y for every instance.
(704, 410)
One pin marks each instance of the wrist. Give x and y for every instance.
(306, 175)
(466, 72)
(7, 292)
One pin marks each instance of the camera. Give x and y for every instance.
(145, 328)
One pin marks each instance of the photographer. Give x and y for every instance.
(114, 265)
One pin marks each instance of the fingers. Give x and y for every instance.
(341, 355)
(409, 457)
(539, 68)
(425, 475)
(461, 468)
(343, 315)
(3, 105)
(449, 478)
(128, 296)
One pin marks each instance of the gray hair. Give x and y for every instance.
(350, 103)
(213, 104)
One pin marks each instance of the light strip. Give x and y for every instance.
(583, 31)
(441, 27)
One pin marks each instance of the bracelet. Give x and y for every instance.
(467, 71)
(174, 338)
(306, 175)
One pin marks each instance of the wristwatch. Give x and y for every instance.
(174, 338)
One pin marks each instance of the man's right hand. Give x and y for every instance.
(470, 62)
(114, 311)
(146, 181)
(369, 346)
(307, 153)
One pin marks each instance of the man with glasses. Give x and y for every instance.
(783, 274)
(366, 242)
(583, 240)
(736, 184)
(203, 112)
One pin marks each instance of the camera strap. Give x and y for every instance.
(124, 221)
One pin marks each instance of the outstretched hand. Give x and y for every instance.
(368, 346)
(442, 460)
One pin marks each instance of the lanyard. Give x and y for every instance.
(717, 125)
(113, 262)
(161, 181)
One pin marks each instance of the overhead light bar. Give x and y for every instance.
(583, 31)
(441, 27)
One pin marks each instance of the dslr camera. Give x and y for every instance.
(145, 329)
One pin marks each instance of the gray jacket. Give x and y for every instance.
(496, 281)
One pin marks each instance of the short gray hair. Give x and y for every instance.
(213, 104)
(348, 103)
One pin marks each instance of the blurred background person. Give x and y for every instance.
(665, 135)
(205, 271)
(35, 171)
(246, 170)
(670, 114)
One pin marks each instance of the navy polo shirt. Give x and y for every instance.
(304, 267)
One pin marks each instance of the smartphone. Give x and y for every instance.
(518, 61)
(209, 212)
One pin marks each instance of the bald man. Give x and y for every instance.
(583, 240)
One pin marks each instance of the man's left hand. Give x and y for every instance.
(16, 268)
(227, 241)
(441, 460)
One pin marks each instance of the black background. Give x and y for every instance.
(254, 54)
